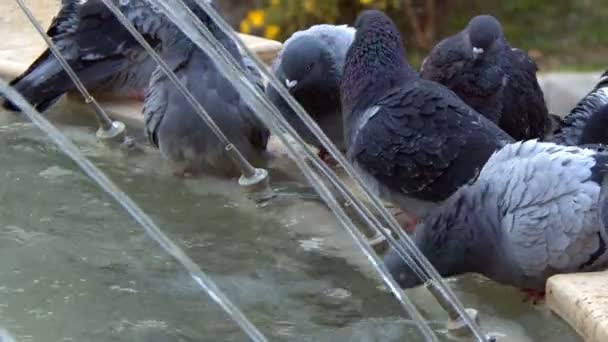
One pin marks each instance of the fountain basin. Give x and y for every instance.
(23, 45)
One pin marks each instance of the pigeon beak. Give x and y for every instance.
(290, 84)
(476, 52)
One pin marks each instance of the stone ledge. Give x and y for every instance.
(581, 299)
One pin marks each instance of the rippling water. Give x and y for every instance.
(75, 267)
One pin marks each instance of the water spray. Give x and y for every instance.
(461, 321)
(253, 180)
(143, 219)
(406, 247)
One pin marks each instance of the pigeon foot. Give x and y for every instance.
(137, 94)
(327, 158)
(533, 296)
(185, 173)
(409, 222)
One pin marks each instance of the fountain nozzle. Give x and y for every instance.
(458, 327)
(257, 182)
(116, 132)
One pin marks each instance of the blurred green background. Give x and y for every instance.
(558, 34)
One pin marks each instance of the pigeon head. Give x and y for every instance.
(596, 128)
(483, 32)
(375, 61)
(306, 63)
(444, 252)
(446, 239)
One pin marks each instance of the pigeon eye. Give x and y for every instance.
(309, 67)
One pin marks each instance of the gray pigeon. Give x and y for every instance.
(548, 216)
(172, 123)
(414, 140)
(581, 118)
(101, 51)
(499, 82)
(310, 65)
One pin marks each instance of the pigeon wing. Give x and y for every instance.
(572, 126)
(424, 142)
(525, 113)
(551, 220)
(155, 104)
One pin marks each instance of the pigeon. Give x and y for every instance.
(104, 55)
(171, 123)
(548, 216)
(413, 140)
(596, 129)
(496, 80)
(310, 65)
(572, 126)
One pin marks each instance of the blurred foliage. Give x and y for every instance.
(570, 34)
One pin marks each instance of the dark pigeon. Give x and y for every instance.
(104, 55)
(414, 140)
(172, 123)
(548, 216)
(596, 129)
(496, 80)
(310, 65)
(572, 126)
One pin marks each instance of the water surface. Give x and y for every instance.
(75, 267)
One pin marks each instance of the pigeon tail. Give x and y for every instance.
(45, 81)
(33, 84)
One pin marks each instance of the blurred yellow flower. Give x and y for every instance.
(275, 2)
(256, 17)
(245, 27)
(272, 31)
(309, 5)
(366, 2)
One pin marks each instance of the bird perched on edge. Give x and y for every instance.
(101, 51)
(581, 118)
(499, 82)
(547, 217)
(310, 65)
(172, 123)
(413, 139)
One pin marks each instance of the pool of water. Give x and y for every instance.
(75, 267)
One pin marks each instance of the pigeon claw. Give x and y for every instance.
(410, 226)
(137, 94)
(327, 158)
(185, 173)
(409, 222)
(533, 296)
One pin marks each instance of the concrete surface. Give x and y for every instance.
(21, 43)
(15, 27)
(564, 89)
(580, 299)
